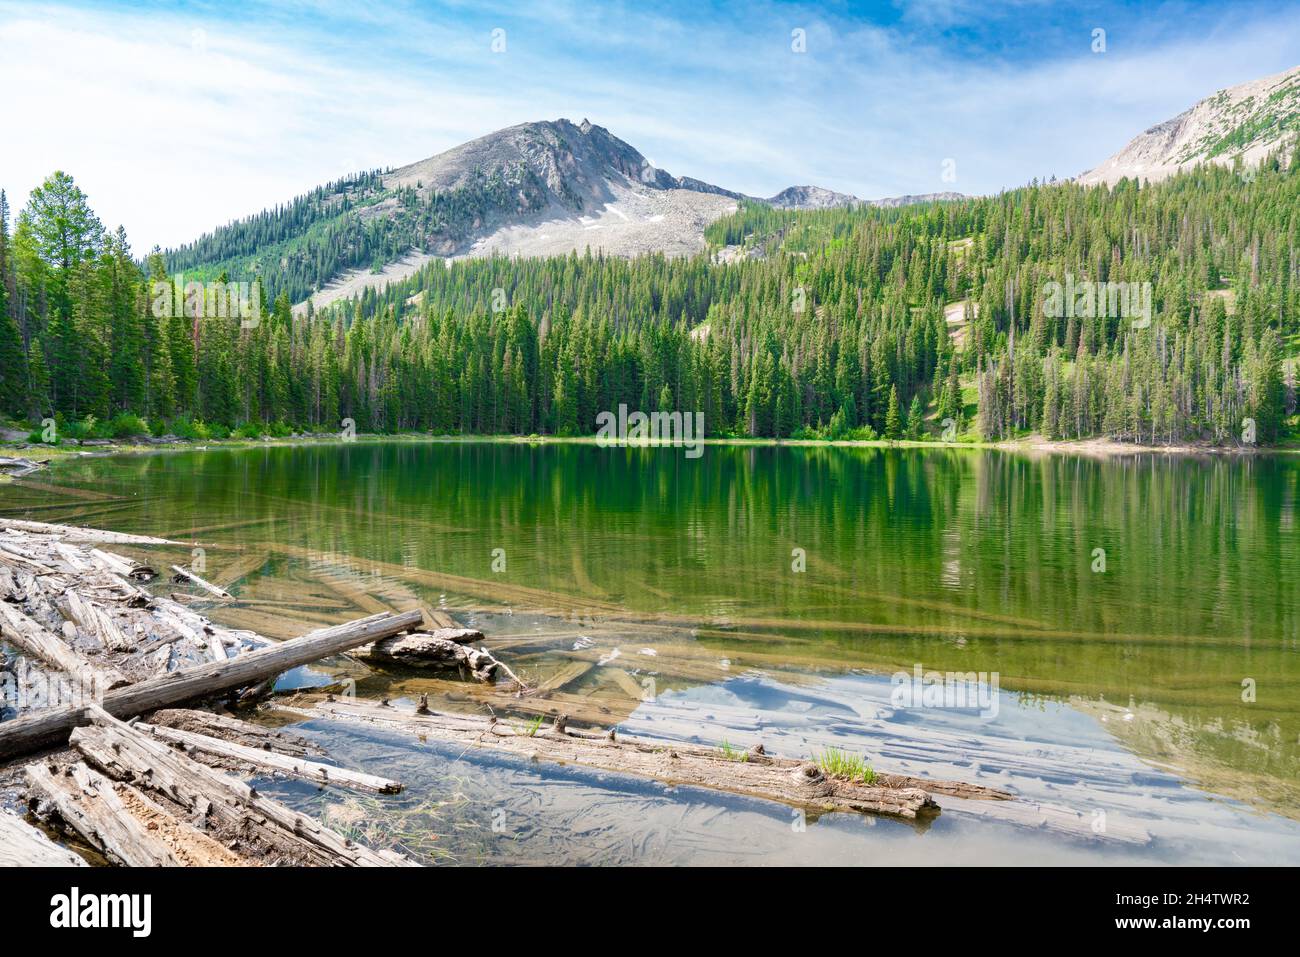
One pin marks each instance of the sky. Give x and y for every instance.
(176, 118)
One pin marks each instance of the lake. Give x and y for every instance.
(1132, 623)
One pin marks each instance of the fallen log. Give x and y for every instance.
(184, 574)
(35, 639)
(753, 773)
(73, 533)
(22, 845)
(18, 467)
(565, 676)
(446, 648)
(121, 823)
(222, 726)
(305, 770)
(120, 565)
(129, 755)
(32, 732)
(96, 621)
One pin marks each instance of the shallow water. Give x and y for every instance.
(768, 594)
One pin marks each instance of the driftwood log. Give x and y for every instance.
(270, 761)
(208, 796)
(74, 533)
(18, 467)
(79, 609)
(214, 725)
(37, 640)
(184, 574)
(445, 649)
(754, 773)
(42, 729)
(120, 822)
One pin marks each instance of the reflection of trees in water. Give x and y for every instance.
(981, 560)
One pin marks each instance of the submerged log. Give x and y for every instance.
(43, 729)
(757, 774)
(130, 755)
(22, 845)
(305, 770)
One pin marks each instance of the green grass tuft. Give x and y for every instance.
(733, 754)
(840, 764)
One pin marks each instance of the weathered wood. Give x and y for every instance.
(96, 621)
(29, 733)
(22, 845)
(121, 823)
(305, 770)
(127, 754)
(184, 574)
(35, 639)
(121, 565)
(799, 783)
(87, 803)
(226, 728)
(18, 467)
(446, 648)
(191, 626)
(72, 533)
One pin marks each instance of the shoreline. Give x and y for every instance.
(1097, 447)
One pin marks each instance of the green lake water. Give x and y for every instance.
(1140, 614)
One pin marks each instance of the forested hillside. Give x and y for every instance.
(839, 323)
(352, 223)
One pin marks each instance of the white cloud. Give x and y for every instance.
(171, 140)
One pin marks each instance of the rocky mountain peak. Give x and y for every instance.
(1245, 122)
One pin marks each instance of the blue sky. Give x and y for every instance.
(178, 117)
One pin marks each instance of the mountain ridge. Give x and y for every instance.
(539, 188)
(1245, 122)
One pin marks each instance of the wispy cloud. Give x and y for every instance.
(176, 119)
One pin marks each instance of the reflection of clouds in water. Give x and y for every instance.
(555, 814)
(549, 814)
(1044, 751)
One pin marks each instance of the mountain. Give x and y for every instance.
(810, 197)
(535, 189)
(1247, 121)
(893, 202)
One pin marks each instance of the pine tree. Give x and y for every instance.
(915, 418)
(64, 234)
(13, 361)
(38, 378)
(893, 426)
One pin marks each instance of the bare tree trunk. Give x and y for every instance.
(43, 729)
